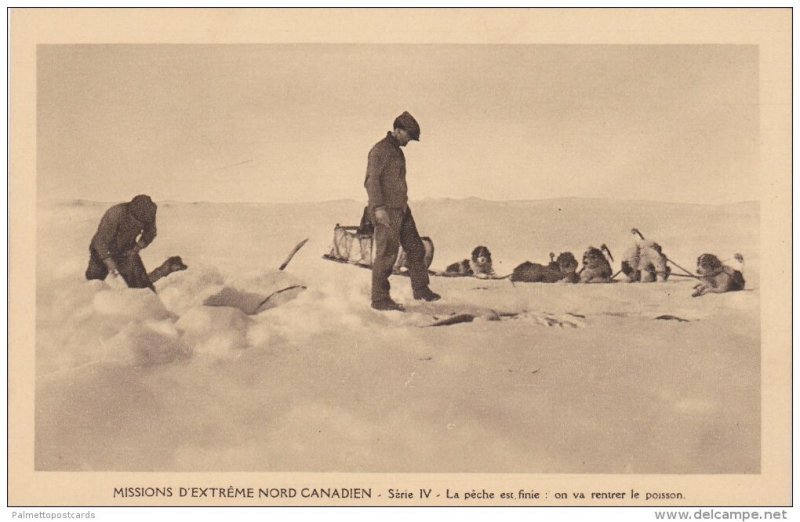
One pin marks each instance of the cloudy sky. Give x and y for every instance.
(285, 123)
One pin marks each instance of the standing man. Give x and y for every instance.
(124, 230)
(389, 212)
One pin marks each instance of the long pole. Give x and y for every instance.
(292, 253)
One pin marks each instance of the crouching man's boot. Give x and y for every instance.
(426, 294)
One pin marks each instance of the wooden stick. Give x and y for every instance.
(278, 292)
(292, 253)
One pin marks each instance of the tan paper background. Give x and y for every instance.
(770, 29)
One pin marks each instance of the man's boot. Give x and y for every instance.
(426, 294)
(387, 305)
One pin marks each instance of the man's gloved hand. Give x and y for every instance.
(112, 267)
(382, 217)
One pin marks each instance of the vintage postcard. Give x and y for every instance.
(354, 257)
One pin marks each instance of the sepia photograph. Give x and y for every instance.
(425, 256)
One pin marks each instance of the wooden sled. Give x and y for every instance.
(355, 245)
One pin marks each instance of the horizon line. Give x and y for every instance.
(427, 198)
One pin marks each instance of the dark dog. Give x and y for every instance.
(479, 264)
(561, 269)
(172, 264)
(716, 277)
(596, 266)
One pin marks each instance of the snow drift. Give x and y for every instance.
(547, 378)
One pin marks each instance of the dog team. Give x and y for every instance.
(644, 262)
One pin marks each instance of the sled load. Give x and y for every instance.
(355, 245)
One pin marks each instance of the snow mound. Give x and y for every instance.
(184, 290)
(215, 331)
(99, 322)
(133, 304)
(146, 343)
(335, 307)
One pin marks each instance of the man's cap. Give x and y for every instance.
(143, 208)
(407, 122)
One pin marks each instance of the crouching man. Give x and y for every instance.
(124, 230)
